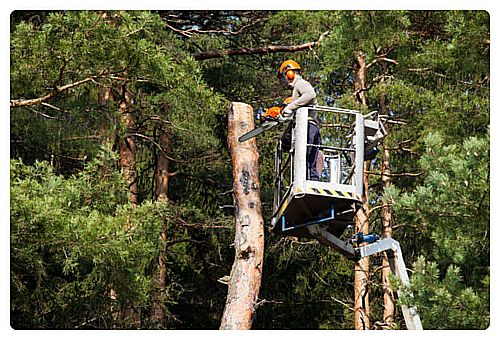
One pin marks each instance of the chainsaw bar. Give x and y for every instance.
(257, 131)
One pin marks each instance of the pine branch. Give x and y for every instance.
(258, 50)
(191, 31)
(377, 60)
(403, 174)
(40, 100)
(149, 139)
(59, 89)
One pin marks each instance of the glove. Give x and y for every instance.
(286, 114)
(283, 118)
(286, 111)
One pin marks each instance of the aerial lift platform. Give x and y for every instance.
(324, 209)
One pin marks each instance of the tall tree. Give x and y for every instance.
(386, 213)
(362, 219)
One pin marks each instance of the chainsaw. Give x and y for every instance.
(268, 120)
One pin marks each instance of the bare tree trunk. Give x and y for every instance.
(362, 267)
(246, 273)
(386, 216)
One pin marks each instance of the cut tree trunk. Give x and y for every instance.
(362, 267)
(246, 273)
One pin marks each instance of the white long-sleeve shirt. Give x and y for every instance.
(303, 94)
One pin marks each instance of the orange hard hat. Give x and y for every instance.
(286, 66)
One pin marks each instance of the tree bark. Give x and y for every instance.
(362, 267)
(246, 273)
(386, 216)
(360, 78)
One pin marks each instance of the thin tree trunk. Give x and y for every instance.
(360, 78)
(386, 216)
(127, 164)
(246, 273)
(162, 176)
(104, 96)
(127, 146)
(362, 267)
(387, 232)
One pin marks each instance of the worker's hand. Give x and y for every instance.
(286, 114)
(286, 111)
(285, 118)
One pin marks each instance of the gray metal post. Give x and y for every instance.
(359, 141)
(334, 164)
(300, 164)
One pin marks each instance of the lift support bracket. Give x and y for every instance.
(395, 256)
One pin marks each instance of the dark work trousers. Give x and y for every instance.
(313, 137)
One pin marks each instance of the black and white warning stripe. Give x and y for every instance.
(335, 193)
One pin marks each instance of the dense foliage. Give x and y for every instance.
(83, 256)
